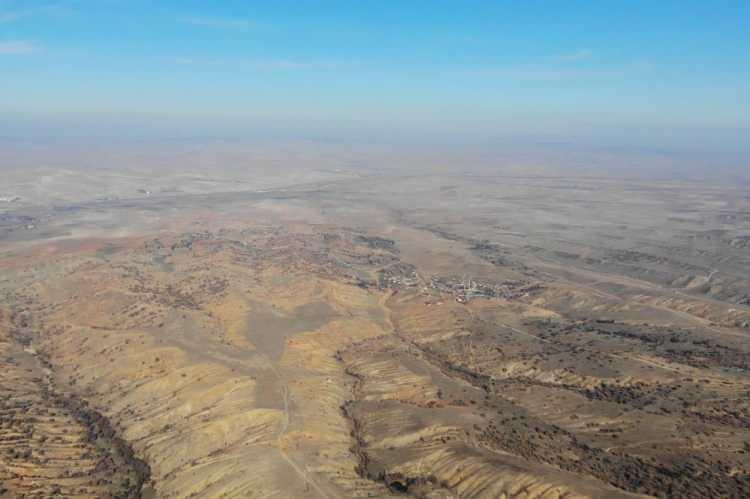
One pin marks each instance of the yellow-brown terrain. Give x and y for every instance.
(299, 344)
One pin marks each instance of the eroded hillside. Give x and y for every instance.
(304, 345)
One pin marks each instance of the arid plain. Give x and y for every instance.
(363, 332)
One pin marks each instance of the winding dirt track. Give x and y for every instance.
(284, 426)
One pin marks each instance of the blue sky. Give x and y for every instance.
(421, 64)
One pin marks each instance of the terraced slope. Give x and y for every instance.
(51, 442)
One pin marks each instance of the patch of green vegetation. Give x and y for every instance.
(107, 249)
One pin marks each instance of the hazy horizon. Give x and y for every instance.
(86, 141)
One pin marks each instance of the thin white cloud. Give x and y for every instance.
(578, 55)
(6, 17)
(556, 73)
(9, 16)
(17, 48)
(183, 60)
(266, 64)
(281, 64)
(222, 23)
(193, 61)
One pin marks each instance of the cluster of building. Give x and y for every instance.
(464, 290)
(399, 275)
